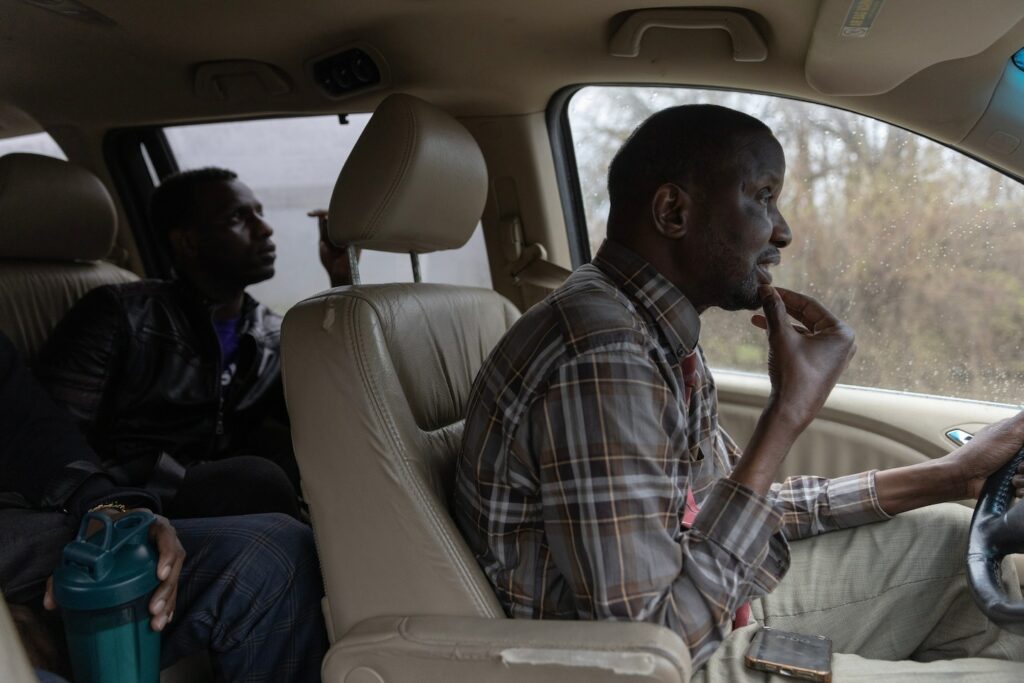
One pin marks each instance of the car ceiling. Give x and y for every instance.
(929, 65)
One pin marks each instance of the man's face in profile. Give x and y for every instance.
(740, 228)
(228, 238)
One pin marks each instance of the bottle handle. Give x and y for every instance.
(97, 559)
(108, 529)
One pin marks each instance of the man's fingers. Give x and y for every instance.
(774, 309)
(758, 320)
(807, 310)
(162, 616)
(171, 557)
(168, 547)
(48, 601)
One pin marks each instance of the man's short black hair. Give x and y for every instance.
(683, 145)
(171, 204)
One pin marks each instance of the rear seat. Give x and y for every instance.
(57, 223)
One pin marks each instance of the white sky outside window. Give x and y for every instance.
(37, 143)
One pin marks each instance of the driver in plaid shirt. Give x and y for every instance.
(594, 481)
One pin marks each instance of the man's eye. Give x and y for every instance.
(764, 196)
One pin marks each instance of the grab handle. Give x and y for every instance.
(747, 43)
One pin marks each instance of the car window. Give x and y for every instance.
(914, 244)
(36, 143)
(291, 164)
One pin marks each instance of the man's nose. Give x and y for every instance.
(261, 228)
(781, 234)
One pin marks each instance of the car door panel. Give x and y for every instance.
(858, 428)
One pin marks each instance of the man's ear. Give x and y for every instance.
(670, 210)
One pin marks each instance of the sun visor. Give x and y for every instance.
(862, 47)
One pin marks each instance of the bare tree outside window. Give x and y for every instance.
(917, 246)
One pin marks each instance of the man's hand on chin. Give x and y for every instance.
(808, 348)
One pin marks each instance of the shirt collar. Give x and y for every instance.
(672, 312)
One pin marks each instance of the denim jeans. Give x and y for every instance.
(249, 593)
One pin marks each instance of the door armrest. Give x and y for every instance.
(445, 649)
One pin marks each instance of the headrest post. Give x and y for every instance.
(353, 264)
(415, 258)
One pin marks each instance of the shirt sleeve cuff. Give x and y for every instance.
(853, 500)
(99, 489)
(738, 519)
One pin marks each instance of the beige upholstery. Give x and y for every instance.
(14, 664)
(388, 196)
(56, 222)
(53, 210)
(506, 651)
(377, 379)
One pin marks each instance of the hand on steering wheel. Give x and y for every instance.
(997, 530)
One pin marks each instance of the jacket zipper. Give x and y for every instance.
(219, 431)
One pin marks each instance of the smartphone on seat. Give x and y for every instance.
(791, 654)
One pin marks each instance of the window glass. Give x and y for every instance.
(915, 245)
(36, 143)
(291, 166)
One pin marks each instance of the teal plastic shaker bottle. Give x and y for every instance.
(103, 584)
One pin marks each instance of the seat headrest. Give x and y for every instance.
(415, 181)
(53, 210)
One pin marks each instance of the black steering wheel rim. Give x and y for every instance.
(997, 530)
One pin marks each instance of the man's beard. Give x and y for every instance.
(742, 295)
(735, 291)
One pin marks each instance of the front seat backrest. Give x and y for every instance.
(377, 377)
(57, 223)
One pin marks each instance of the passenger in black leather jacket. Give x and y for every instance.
(213, 573)
(173, 381)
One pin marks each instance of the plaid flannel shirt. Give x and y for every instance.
(578, 450)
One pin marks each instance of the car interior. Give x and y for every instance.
(466, 149)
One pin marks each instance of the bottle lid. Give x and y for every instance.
(112, 567)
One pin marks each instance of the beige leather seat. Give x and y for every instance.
(57, 221)
(377, 379)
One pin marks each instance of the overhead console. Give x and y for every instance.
(350, 71)
(861, 47)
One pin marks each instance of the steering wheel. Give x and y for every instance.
(997, 530)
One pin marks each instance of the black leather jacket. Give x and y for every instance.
(46, 463)
(139, 365)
